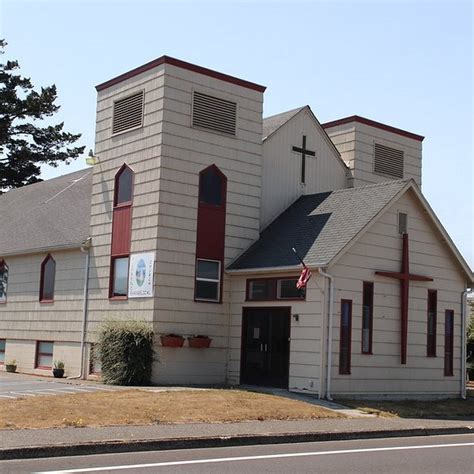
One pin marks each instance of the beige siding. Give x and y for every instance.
(305, 334)
(23, 351)
(141, 150)
(23, 316)
(281, 183)
(185, 152)
(380, 248)
(24, 320)
(355, 141)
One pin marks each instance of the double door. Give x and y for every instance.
(265, 347)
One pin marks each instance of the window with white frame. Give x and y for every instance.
(208, 280)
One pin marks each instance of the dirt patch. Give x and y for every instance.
(446, 409)
(141, 407)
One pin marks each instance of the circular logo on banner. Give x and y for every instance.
(140, 272)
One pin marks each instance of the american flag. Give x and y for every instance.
(304, 277)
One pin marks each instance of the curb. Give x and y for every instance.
(124, 446)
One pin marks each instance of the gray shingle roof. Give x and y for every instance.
(273, 123)
(53, 213)
(319, 226)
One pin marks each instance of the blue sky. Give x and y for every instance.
(404, 63)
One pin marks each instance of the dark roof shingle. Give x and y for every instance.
(273, 123)
(50, 214)
(319, 226)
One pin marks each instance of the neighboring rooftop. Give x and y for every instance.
(372, 123)
(319, 226)
(183, 65)
(50, 214)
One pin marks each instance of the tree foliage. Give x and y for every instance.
(24, 144)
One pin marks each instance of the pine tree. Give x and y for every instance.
(24, 144)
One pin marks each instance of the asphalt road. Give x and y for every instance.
(431, 454)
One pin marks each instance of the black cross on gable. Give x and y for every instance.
(304, 152)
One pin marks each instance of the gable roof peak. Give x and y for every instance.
(274, 122)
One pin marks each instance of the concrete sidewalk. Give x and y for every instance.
(21, 444)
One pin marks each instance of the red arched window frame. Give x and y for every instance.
(123, 186)
(210, 238)
(121, 232)
(3, 281)
(47, 280)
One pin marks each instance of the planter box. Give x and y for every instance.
(199, 342)
(172, 341)
(10, 368)
(58, 373)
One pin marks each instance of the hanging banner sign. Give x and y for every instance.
(140, 278)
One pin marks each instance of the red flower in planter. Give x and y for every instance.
(199, 341)
(172, 340)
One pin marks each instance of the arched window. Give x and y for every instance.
(48, 275)
(121, 233)
(212, 186)
(3, 281)
(123, 190)
(210, 235)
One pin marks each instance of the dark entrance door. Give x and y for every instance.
(265, 347)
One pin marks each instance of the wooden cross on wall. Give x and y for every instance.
(404, 276)
(304, 152)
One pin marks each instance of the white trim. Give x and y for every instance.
(289, 268)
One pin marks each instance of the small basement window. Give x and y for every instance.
(44, 355)
(3, 344)
(208, 280)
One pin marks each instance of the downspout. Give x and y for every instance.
(463, 340)
(329, 345)
(85, 248)
(324, 306)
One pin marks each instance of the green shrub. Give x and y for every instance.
(126, 352)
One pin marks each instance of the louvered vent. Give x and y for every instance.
(214, 114)
(402, 223)
(388, 161)
(128, 113)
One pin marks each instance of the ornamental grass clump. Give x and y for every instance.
(126, 352)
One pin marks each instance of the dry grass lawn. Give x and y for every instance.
(462, 409)
(141, 407)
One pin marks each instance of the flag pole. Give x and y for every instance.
(299, 258)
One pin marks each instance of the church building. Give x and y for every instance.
(188, 220)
